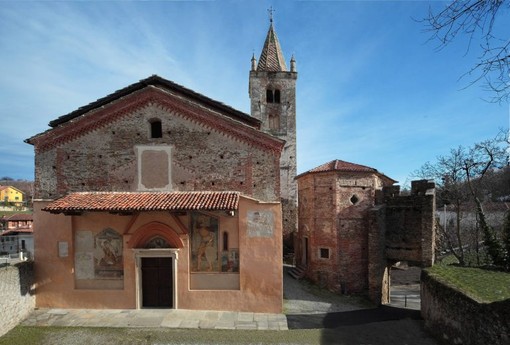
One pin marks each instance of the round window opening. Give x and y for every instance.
(354, 199)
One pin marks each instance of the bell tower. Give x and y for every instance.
(272, 89)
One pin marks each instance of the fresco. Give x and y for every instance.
(230, 260)
(108, 263)
(98, 256)
(204, 243)
(260, 224)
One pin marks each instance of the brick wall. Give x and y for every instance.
(401, 228)
(333, 215)
(457, 319)
(17, 297)
(337, 214)
(410, 223)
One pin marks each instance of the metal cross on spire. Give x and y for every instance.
(271, 11)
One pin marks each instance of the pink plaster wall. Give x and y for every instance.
(261, 281)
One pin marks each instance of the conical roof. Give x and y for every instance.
(271, 58)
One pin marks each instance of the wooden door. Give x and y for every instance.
(157, 283)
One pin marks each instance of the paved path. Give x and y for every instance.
(170, 318)
(342, 319)
(348, 320)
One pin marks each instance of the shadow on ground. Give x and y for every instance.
(351, 318)
(379, 326)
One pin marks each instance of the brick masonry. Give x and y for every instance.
(354, 226)
(17, 298)
(401, 228)
(333, 220)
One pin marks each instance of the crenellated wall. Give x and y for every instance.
(401, 228)
(410, 224)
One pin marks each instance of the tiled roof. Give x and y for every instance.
(17, 231)
(144, 201)
(158, 81)
(338, 165)
(343, 166)
(271, 58)
(21, 217)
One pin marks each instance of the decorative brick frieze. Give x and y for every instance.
(106, 115)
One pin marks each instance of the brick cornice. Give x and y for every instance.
(104, 116)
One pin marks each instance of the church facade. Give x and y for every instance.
(157, 196)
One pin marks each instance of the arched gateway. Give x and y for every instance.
(156, 248)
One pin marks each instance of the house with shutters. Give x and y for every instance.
(17, 235)
(158, 196)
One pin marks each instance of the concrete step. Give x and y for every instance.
(298, 272)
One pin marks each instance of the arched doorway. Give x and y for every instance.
(156, 247)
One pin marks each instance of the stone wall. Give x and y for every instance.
(410, 223)
(204, 156)
(401, 228)
(284, 113)
(457, 319)
(17, 297)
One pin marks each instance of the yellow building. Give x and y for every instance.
(11, 194)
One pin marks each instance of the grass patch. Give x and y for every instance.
(25, 335)
(482, 285)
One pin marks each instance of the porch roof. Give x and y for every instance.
(127, 202)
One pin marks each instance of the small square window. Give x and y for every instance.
(324, 253)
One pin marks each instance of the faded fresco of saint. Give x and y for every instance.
(230, 260)
(204, 243)
(108, 261)
(260, 224)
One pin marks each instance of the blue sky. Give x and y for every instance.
(371, 88)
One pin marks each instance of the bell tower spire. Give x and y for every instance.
(272, 90)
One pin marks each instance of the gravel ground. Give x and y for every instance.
(351, 320)
(301, 297)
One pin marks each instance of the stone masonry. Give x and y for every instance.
(456, 318)
(103, 158)
(401, 228)
(17, 299)
(272, 91)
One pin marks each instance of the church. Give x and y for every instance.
(156, 196)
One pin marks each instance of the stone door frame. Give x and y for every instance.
(155, 253)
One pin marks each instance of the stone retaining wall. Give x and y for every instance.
(17, 298)
(457, 319)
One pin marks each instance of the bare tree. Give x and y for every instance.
(483, 157)
(460, 178)
(477, 19)
(448, 174)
